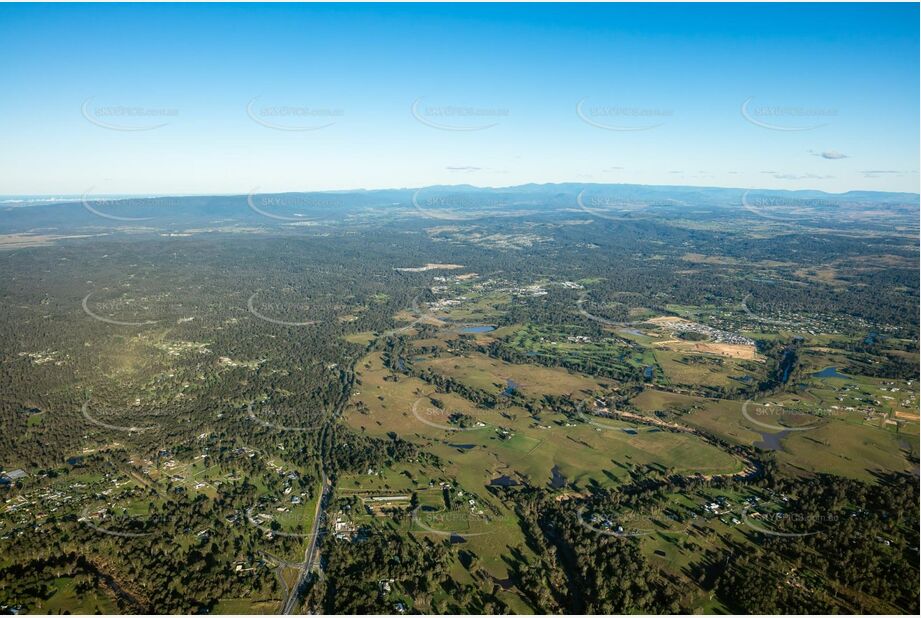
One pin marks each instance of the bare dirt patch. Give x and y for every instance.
(430, 266)
(667, 319)
(22, 241)
(732, 350)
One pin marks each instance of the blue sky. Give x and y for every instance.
(227, 98)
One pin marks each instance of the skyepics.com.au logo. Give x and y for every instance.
(271, 205)
(582, 306)
(607, 207)
(292, 118)
(432, 412)
(462, 206)
(103, 521)
(787, 524)
(106, 207)
(786, 118)
(747, 309)
(262, 310)
(768, 415)
(774, 208)
(627, 524)
(458, 523)
(282, 521)
(419, 315)
(597, 412)
(285, 418)
(115, 420)
(457, 117)
(622, 118)
(788, 210)
(127, 309)
(128, 118)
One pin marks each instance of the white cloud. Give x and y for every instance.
(832, 155)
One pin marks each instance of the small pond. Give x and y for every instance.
(504, 481)
(830, 372)
(771, 441)
(484, 328)
(557, 480)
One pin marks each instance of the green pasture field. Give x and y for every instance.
(247, 606)
(363, 338)
(398, 478)
(491, 375)
(585, 453)
(65, 599)
(693, 369)
(842, 444)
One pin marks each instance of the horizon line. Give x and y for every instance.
(63, 197)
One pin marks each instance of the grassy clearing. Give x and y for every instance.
(492, 375)
(585, 454)
(246, 606)
(531, 446)
(848, 449)
(692, 369)
(385, 402)
(363, 338)
(843, 443)
(65, 599)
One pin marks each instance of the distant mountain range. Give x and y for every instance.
(94, 213)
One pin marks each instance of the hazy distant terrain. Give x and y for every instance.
(516, 205)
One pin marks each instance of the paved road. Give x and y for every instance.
(311, 551)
